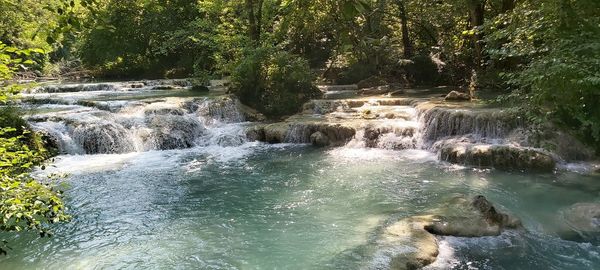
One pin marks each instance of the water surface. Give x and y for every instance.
(290, 207)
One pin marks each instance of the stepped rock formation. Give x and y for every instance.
(467, 134)
(85, 120)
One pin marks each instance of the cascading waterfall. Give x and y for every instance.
(123, 126)
(467, 134)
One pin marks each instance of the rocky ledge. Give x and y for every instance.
(505, 157)
(472, 134)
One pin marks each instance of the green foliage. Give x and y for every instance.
(550, 58)
(422, 70)
(25, 204)
(275, 82)
(355, 73)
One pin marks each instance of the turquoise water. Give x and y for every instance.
(290, 207)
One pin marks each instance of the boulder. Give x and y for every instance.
(457, 96)
(319, 139)
(276, 132)
(412, 246)
(229, 140)
(475, 219)
(581, 223)
(256, 133)
(173, 131)
(412, 243)
(137, 85)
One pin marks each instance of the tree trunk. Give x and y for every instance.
(254, 14)
(406, 42)
(507, 5)
(477, 12)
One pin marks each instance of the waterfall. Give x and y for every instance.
(122, 126)
(441, 122)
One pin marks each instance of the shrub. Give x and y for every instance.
(274, 82)
(356, 72)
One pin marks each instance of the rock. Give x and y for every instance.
(256, 133)
(173, 131)
(457, 96)
(475, 219)
(103, 138)
(368, 114)
(581, 223)
(199, 88)
(412, 244)
(301, 132)
(250, 114)
(371, 136)
(163, 87)
(413, 247)
(136, 85)
(228, 140)
(319, 139)
(504, 157)
(276, 133)
(370, 82)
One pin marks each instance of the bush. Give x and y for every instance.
(356, 72)
(421, 70)
(274, 82)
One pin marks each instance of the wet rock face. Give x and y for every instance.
(319, 139)
(225, 109)
(103, 138)
(457, 96)
(475, 219)
(581, 223)
(174, 131)
(256, 133)
(498, 156)
(320, 134)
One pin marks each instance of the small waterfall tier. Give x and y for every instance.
(469, 134)
(156, 115)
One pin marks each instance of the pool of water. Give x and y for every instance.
(260, 206)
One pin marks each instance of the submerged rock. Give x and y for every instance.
(457, 96)
(506, 157)
(475, 219)
(581, 223)
(412, 244)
